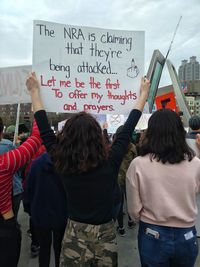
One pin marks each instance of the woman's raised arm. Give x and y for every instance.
(33, 87)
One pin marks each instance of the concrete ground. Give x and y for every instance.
(128, 252)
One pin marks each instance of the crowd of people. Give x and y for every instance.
(76, 183)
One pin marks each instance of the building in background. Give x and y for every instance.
(189, 71)
(189, 76)
(191, 103)
(9, 112)
(192, 98)
(194, 104)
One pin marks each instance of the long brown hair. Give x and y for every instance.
(164, 138)
(80, 146)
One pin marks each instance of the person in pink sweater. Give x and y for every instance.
(162, 184)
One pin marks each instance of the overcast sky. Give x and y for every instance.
(158, 18)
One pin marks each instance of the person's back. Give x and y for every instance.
(168, 191)
(162, 184)
(89, 175)
(45, 194)
(46, 202)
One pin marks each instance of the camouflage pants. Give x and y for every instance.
(87, 245)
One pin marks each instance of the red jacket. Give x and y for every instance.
(10, 162)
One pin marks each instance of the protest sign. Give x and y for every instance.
(166, 101)
(13, 85)
(101, 118)
(143, 122)
(90, 69)
(61, 124)
(114, 122)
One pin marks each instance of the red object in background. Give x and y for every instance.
(166, 101)
(40, 151)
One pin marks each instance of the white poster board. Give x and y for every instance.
(13, 85)
(61, 124)
(90, 69)
(143, 122)
(114, 122)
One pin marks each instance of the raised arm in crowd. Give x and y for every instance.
(89, 174)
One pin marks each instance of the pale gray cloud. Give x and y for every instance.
(158, 18)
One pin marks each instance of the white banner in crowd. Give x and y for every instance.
(115, 121)
(13, 85)
(61, 124)
(143, 122)
(90, 69)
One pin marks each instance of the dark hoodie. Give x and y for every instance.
(45, 198)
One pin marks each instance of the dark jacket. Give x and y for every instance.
(130, 155)
(45, 198)
(90, 193)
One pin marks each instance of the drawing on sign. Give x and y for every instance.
(133, 71)
(115, 120)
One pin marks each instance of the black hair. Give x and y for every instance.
(1, 125)
(194, 122)
(165, 139)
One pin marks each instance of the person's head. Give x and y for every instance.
(1, 128)
(194, 123)
(80, 145)
(9, 133)
(164, 138)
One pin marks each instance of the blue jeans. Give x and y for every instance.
(167, 246)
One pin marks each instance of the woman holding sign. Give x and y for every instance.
(89, 176)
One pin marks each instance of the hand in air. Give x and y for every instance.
(32, 83)
(144, 86)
